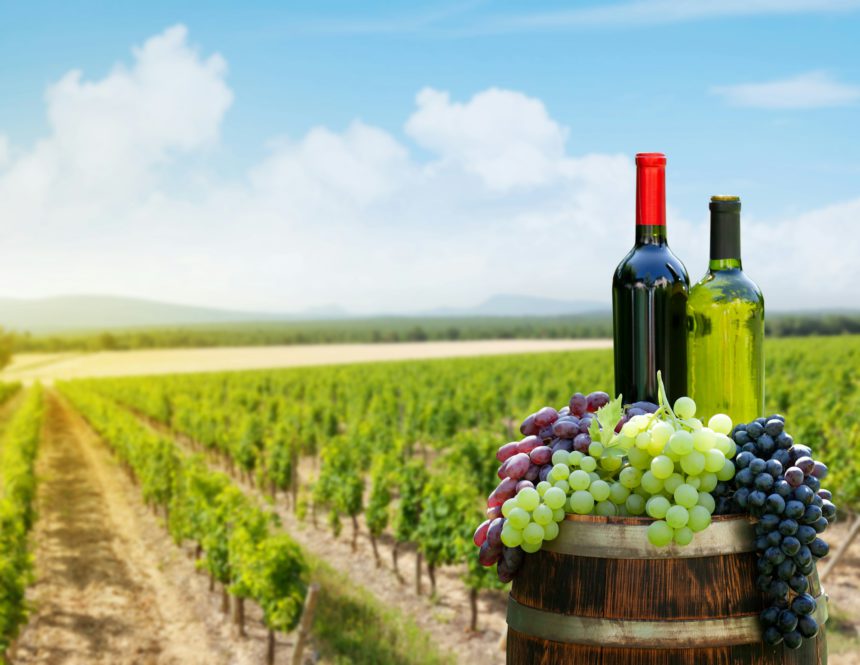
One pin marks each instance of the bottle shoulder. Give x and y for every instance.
(651, 263)
(723, 285)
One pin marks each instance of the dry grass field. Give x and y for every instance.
(47, 367)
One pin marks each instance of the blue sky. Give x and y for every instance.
(616, 77)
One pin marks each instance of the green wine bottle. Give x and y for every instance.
(725, 326)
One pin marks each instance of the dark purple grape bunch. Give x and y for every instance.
(779, 482)
(565, 429)
(525, 463)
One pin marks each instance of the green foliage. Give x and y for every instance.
(273, 566)
(447, 498)
(340, 486)
(411, 479)
(18, 448)
(378, 511)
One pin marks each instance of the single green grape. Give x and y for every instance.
(727, 472)
(704, 439)
(574, 458)
(599, 490)
(673, 482)
(662, 467)
(563, 485)
(715, 460)
(660, 534)
(707, 502)
(681, 442)
(685, 407)
(588, 464)
(595, 449)
(660, 433)
(541, 488)
(686, 495)
(550, 531)
(635, 504)
(581, 502)
(630, 477)
(657, 506)
(733, 449)
(656, 447)
(554, 498)
(677, 517)
(683, 536)
(708, 481)
(528, 499)
(639, 459)
(720, 423)
(618, 493)
(542, 514)
(630, 429)
(508, 506)
(611, 462)
(558, 514)
(511, 537)
(695, 462)
(560, 457)
(693, 481)
(700, 518)
(560, 471)
(651, 483)
(531, 548)
(605, 509)
(533, 533)
(643, 439)
(724, 444)
(519, 518)
(579, 480)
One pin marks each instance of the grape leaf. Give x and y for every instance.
(603, 424)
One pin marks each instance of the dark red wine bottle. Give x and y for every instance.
(649, 297)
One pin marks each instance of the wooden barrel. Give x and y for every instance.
(601, 594)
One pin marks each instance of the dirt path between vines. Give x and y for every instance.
(111, 587)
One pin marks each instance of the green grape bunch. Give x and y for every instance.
(597, 457)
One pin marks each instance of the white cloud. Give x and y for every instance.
(804, 91)
(109, 137)
(108, 201)
(504, 137)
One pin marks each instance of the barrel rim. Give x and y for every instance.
(621, 538)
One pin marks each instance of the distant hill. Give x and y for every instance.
(101, 312)
(94, 312)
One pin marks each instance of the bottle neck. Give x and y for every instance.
(651, 234)
(715, 265)
(725, 233)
